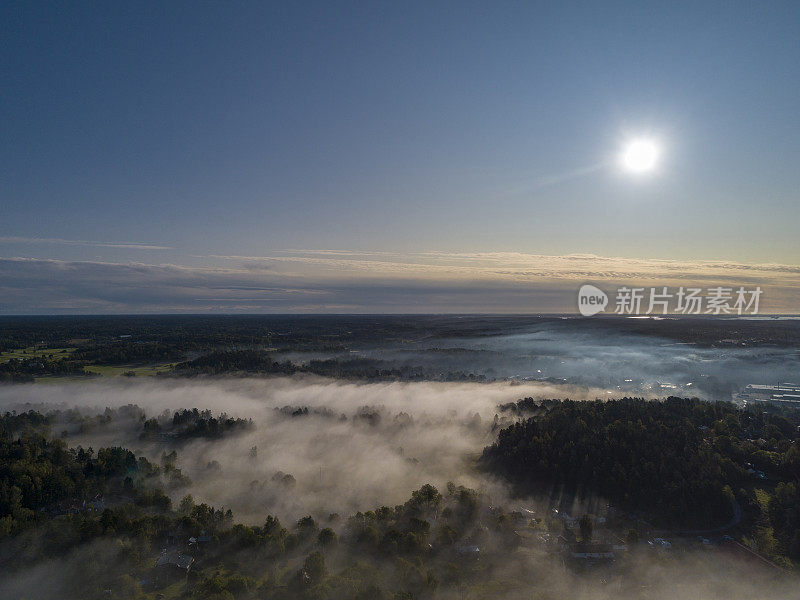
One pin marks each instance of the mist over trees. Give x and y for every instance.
(397, 458)
(55, 500)
(101, 521)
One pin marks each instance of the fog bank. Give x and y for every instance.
(359, 446)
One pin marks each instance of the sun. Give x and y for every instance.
(640, 156)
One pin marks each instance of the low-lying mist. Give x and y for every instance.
(320, 446)
(356, 447)
(596, 355)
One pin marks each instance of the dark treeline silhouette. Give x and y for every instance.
(261, 362)
(194, 423)
(333, 333)
(235, 361)
(127, 352)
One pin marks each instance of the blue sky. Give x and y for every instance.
(178, 133)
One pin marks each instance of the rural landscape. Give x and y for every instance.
(421, 300)
(396, 457)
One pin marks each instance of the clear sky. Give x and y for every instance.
(178, 136)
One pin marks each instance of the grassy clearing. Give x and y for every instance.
(34, 351)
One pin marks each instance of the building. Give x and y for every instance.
(469, 551)
(172, 566)
(588, 555)
(781, 394)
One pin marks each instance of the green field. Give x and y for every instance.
(34, 351)
(108, 371)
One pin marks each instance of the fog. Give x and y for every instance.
(370, 446)
(691, 576)
(598, 357)
(360, 446)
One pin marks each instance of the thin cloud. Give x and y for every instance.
(63, 242)
(514, 265)
(411, 283)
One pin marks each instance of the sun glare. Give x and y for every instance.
(640, 156)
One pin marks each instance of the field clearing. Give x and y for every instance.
(108, 371)
(34, 351)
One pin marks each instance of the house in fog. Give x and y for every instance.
(590, 552)
(172, 566)
(469, 551)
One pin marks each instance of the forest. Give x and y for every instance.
(55, 500)
(124, 527)
(685, 463)
(393, 457)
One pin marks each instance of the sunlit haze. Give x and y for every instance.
(186, 158)
(640, 156)
(405, 300)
